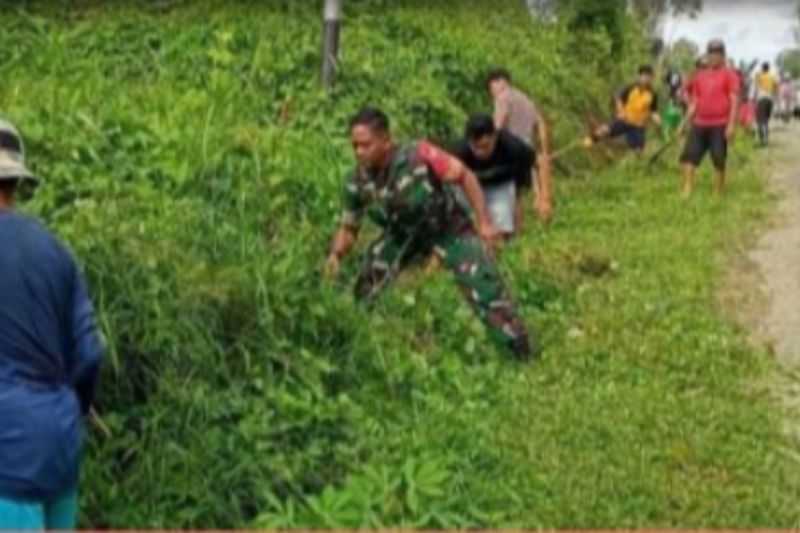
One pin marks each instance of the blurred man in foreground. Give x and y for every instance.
(50, 352)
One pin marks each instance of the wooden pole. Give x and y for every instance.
(330, 42)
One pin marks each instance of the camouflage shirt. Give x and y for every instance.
(408, 197)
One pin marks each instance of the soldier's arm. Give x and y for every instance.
(450, 170)
(347, 233)
(343, 241)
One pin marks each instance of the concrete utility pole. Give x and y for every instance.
(330, 41)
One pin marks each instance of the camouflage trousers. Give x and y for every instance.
(475, 273)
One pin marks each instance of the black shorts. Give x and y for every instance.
(703, 139)
(634, 135)
(764, 110)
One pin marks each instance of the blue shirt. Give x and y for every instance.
(50, 353)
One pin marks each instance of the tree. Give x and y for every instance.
(653, 11)
(544, 9)
(797, 28)
(789, 61)
(661, 7)
(682, 55)
(587, 16)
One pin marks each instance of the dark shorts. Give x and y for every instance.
(634, 135)
(764, 110)
(703, 139)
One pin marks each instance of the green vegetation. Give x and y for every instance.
(789, 62)
(682, 55)
(194, 167)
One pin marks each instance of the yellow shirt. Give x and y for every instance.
(638, 103)
(766, 84)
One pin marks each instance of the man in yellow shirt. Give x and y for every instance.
(636, 106)
(766, 91)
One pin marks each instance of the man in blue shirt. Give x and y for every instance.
(50, 353)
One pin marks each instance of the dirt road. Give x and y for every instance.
(764, 289)
(777, 252)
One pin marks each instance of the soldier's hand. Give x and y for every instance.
(332, 266)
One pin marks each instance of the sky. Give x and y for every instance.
(752, 29)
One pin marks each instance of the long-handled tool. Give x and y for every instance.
(566, 149)
(658, 153)
(557, 163)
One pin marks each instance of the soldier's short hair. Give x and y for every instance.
(479, 125)
(371, 117)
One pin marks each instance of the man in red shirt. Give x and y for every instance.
(713, 97)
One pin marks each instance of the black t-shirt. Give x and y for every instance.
(511, 160)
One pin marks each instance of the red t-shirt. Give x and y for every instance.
(714, 91)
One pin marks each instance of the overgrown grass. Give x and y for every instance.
(195, 168)
(646, 413)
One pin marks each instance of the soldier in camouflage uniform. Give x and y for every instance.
(403, 189)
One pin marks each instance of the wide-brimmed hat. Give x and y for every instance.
(12, 155)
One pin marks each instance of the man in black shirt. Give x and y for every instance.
(504, 165)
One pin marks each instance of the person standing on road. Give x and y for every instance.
(50, 353)
(713, 96)
(786, 98)
(766, 87)
(516, 112)
(796, 100)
